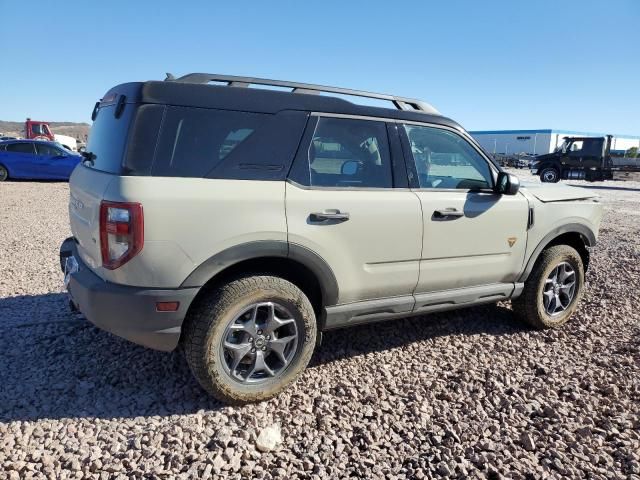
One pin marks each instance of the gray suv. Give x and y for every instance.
(240, 223)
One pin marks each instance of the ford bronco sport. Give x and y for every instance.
(240, 223)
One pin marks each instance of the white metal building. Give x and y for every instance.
(536, 142)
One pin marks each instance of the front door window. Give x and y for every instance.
(444, 159)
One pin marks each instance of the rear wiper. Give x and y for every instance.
(89, 158)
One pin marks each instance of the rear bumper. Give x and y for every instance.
(128, 312)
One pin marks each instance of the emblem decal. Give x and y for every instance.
(512, 241)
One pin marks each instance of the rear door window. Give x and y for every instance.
(348, 152)
(193, 141)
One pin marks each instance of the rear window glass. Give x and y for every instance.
(108, 138)
(193, 141)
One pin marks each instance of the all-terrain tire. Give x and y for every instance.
(550, 175)
(529, 306)
(206, 326)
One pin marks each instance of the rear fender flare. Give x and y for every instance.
(267, 249)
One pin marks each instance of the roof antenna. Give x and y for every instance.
(169, 77)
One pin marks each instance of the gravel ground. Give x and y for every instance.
(471, 393)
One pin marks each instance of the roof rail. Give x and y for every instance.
(401, 103)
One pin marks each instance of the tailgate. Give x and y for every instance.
(86, 190)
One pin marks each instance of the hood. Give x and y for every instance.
(558, 192)
(545, 156)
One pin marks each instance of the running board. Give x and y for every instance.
(370, 311)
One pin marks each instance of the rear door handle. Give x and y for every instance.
(330, 214)
(447, 213)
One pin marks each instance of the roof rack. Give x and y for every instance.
(401, 103)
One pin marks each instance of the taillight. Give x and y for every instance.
(121, 232)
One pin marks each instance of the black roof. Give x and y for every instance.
(181, 92)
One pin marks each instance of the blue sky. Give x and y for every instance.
(572, 64)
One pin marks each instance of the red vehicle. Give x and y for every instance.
(38, 130)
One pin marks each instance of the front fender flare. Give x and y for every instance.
(587, 235)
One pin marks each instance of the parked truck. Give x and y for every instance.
(581, 158)
(38, 130)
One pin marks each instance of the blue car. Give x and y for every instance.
(36, 159)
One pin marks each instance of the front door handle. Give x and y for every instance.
(330, 214)
(447, 213)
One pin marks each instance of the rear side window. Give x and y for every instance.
(21, 148)
(194, 141)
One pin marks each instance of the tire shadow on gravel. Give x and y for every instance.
(55, 364)
(359, 340)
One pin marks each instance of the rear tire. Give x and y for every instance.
(249, 339)
(4, 174)
(548, 303)
(550, 175)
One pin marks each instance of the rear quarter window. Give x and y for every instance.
(194, 141)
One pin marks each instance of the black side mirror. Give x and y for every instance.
(507, 184)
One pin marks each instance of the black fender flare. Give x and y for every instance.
(587, 235)
(267, 249)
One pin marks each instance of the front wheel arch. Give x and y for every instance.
(575, 235)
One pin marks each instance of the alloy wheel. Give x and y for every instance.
(259, 343)
(559, 289)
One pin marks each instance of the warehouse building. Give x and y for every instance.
(537, 142)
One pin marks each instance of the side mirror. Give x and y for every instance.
(507, 184)
(349, 168)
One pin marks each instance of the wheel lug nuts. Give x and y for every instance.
(251, 340)
(264, 349)
(268, 337)
(259, 332)
(253, 350)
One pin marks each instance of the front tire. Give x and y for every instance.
(4, 174)
(553, 290)
(550, 175)
(249, 339)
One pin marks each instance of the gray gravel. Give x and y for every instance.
(465, 394)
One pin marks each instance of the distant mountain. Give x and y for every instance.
(78, 131)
